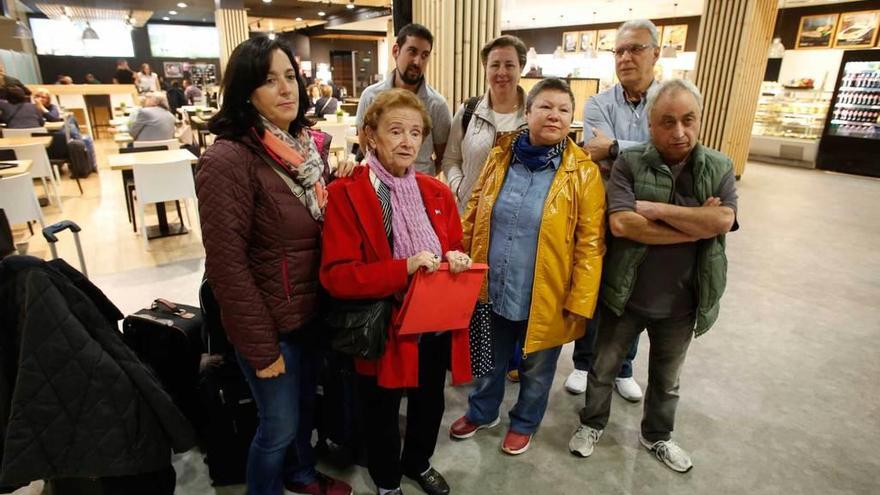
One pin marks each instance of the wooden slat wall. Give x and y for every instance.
(461, 28)
(232, 27)
(731, 55)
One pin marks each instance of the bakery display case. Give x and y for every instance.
(788, 123)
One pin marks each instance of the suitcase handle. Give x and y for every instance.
(50, 231)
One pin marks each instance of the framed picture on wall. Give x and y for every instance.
(675, 35)
(857, 29)
(816, 31)
(587, 40)
(570, 41)
(173, 70)
(607, 39)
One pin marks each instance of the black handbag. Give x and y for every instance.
(358, 327)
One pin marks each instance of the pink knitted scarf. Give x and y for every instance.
(410, 226)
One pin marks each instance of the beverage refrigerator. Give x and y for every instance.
(851, 138)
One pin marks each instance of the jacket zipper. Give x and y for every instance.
(284, 276)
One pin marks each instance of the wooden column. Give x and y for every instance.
(461, 28)
(232, 26)
(731, 56)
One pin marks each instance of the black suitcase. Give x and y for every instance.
(78, 156)
(340, 427)
(167, 337)
(161, 482)
(230, 422)
(230, 410)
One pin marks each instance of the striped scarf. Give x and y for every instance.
(410, 226)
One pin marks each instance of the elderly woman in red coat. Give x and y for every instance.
(383, 224)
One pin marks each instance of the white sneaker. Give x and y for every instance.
(628, 388)
(583, 440)
(670, 454)
(576, 383)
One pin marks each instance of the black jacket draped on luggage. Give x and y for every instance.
(74, 399)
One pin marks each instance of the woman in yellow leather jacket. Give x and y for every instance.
(537, 217)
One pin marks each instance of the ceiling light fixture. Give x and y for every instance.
(89, 33)
(299, 19)
(322, 13)
(350, 4)
(267, 1)
(172, 12)
(22, 32)
(166, 18)
(271, 35)
(181, 5)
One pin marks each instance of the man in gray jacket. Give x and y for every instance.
(153, 122)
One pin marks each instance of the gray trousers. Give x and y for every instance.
(669, 341)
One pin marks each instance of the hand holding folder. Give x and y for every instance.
(441, 300)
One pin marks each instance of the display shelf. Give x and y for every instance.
(790, 113)
(857, 106)
(856, 88)
(850, 122)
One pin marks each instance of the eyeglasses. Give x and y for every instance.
(634, 49)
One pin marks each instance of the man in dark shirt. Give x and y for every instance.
(124, 75)
(670, 203)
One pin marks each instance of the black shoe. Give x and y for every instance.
(395, 492)
(432, 482)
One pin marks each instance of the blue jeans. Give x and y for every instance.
(583, 350)
(281, 451)
(536, 374)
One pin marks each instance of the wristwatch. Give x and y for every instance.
(613, 150)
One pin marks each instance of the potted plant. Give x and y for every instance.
(340, 115)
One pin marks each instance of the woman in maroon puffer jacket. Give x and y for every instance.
(261, 190)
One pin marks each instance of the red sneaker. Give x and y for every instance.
(463, 428)
(516, 443)
(323, 485)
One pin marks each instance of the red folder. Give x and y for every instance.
(441, 300)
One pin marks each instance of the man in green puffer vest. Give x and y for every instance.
(670, 203)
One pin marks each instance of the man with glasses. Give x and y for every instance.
(614, 120)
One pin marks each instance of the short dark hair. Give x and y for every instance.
(416, 30)
(246, 71)
(502, 41)
(549, 84)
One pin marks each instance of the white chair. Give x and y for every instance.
(18, 200)
(41, 169)
(338, 132)
(171, 144)
(160, 182)
(30, 131)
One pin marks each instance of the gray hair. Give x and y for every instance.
(549, 84)
(641, 24)
(156, 100)
(670, 86)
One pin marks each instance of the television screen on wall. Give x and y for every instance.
(179, 41)
(58, 37)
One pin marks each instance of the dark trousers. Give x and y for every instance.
(424, 411)
(583, 350)
(669, 339)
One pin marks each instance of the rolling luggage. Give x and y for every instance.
(167, 337)
(230, 410)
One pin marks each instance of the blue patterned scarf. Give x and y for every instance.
(535, 157)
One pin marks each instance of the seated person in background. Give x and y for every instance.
(176, 98)
(43, 102)
(326, 104)
(91, 79)
(17, 111)
(64, 79)
(51, 112)
(154, 121)
(192, 92)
